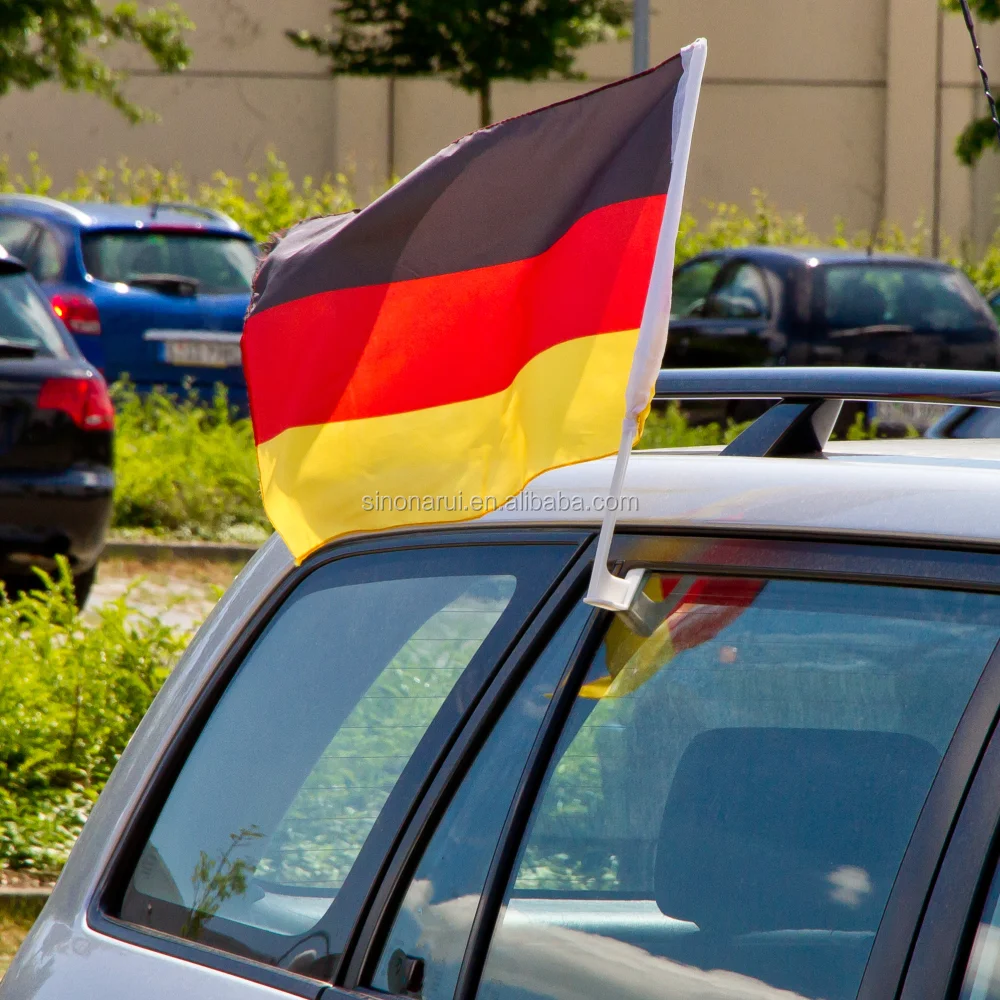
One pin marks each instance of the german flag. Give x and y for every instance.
(423, 360)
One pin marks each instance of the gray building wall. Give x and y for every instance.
(839, 108)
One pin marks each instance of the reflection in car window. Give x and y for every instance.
(289, 775)
(982, 975)
(433, 925)
(25, 317)
(731, 797)
(220, 264)
(691, 284)
(923, 298)
(742, 295)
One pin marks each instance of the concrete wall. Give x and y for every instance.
(842, 108)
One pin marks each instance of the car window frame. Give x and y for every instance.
(27, 259)
(103, 905)
(942, 950)
(824, 558)
(728, 269)
(716, 258)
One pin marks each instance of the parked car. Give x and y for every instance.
(802, 306)
(993, 298)
(156, 292)
(56, 426)
(419, 765)
(966, 422)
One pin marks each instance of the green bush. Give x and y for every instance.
(669, 428)
(185, 468)
(265, 202)
(71, 695)
(269, 199)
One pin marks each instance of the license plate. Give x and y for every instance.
(201, 354)
(917, 415)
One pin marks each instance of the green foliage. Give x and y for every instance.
(265, 202)
(183, 467)
(670, 428)
(727, 225)
(980, 134)
(70, 699)
(473, 43)
(62, 41)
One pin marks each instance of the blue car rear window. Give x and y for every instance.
(220, 264)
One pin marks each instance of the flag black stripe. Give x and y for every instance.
(499, 195)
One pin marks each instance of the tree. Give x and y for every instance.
(981, 133)
(472, 42)
(62, 40)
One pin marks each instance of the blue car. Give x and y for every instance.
(153, 292)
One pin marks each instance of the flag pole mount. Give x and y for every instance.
(606, 590)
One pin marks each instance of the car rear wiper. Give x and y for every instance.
(16, 349)
(168, 284)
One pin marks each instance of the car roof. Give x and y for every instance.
(926, 491)
(100, 215)
(824, 256)
(935, 491)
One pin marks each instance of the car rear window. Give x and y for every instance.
(293, 768)
(25, 320)
(220, 265)
(922, 298)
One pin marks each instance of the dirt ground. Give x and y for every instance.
(179, 593)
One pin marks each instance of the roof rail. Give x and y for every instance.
(810, 398)
(183, 206)
(71, 211)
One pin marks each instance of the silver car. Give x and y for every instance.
(420, 765)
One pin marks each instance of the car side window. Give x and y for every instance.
(731, 797)
(287, 778)
(424, 949)
(692, 282)
(982, 975)
(742, 294)
(47, 258)
(17, 236)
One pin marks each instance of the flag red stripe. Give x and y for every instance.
(383, 349)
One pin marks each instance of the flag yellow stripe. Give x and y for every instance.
(447, 463)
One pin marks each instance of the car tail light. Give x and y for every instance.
(78, 313)
(85, 400)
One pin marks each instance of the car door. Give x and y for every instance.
(269, 815)
(956, 955)
(747, 796)
(727, 329)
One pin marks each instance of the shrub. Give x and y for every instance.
(264, 202)
(183, 467)
(669, 428)
(71, 694)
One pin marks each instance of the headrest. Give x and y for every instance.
(779, 829)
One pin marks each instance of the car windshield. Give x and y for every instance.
(25, 320)
(220, 264)
(924, 298)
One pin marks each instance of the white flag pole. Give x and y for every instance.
(607, 590)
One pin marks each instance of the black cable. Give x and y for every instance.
(979, 62)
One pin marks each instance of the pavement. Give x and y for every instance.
(178, 592)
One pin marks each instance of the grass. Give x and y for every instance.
(186, 468)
